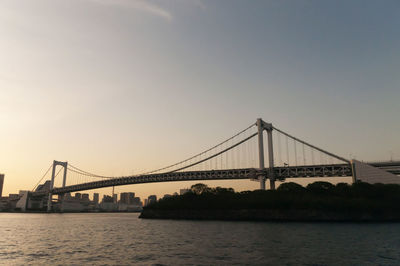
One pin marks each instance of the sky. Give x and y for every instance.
(118, 87)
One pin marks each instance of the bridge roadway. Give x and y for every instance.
(247, 173)
(389, 166)
(281, 173)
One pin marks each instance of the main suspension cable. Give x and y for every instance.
(312, 146)
(42, 178)
(79, 171)
(194, 156)
(216, 154)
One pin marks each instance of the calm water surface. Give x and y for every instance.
(123, 239)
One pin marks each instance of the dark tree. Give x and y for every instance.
(291, 187)
(200, 188)
(320, 187)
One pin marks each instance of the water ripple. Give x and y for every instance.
(123, 239)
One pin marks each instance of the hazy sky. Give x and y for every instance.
(119, 86)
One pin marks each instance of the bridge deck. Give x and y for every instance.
(390, 166)
(281, 173)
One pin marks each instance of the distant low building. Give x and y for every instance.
(36, 204)
(9, 203)
(4, 203)
(85, 197)
(23, 200)
(107, 204)
(14, 196)
(71, 204)
(122, 207)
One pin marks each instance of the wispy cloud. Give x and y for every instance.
(141, 5)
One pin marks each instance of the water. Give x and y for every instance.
(123, 239)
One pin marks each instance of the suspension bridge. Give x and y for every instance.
(242, 156)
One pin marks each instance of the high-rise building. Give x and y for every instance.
(96, 198)
(136, 201)
(115, 198)
(107, 198)
(127, 198)
(124, 198)
(108, 203)
(78, 195)
(151, 199)
(131, 197)
(85, 197)
(1, 184)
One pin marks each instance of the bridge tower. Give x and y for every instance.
(261, 126)
(53, 173)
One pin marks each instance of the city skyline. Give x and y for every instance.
(121, 87)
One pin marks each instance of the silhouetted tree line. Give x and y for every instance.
(318, 195)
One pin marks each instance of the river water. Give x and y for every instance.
(123, 239)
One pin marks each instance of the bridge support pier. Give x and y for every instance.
(53, 173)
(63, 185)
(271, 158)
(261, 125)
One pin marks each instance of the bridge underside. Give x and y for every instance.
(281, 173)
(337, 170)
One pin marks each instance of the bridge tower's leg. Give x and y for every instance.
(260, 127)
(271, 158)
(63, 185)
(65, 165)
(53, 173)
